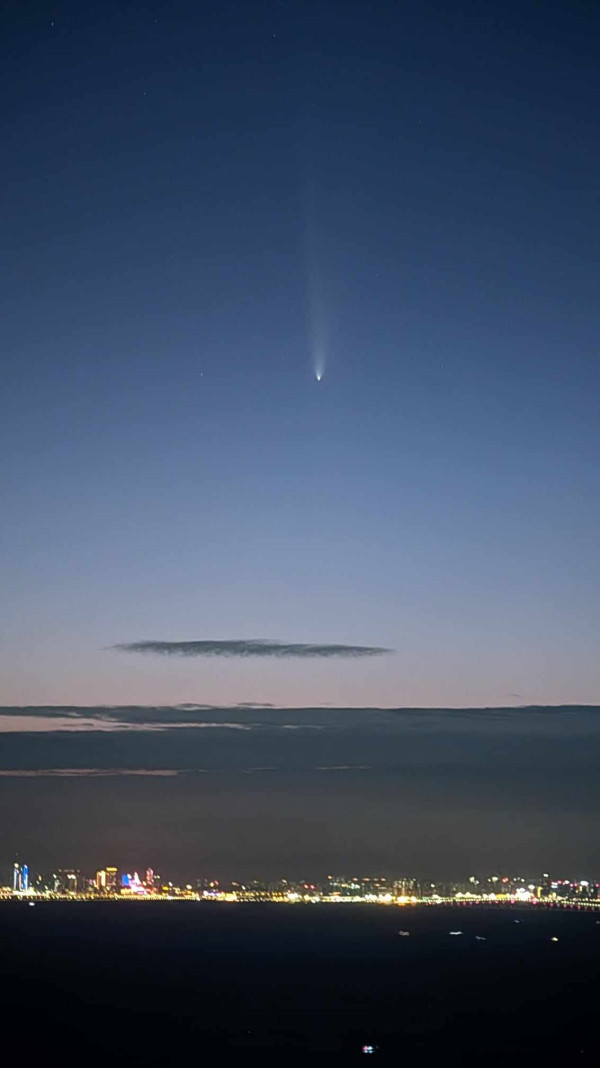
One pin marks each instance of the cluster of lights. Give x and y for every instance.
(109, 883)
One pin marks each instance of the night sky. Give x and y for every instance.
(300, 430)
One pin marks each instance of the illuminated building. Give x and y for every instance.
(132, 884)
(68, 881)
(339, 886)
(111, 878)
(100, 880)
(374, 887)
(405, 887)
(369, 888)
(20, 879)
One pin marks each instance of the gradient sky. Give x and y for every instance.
(179, 181)
(203, 205)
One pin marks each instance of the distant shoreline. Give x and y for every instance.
(508, 906)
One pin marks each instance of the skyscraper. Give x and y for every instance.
(68, 881)
(20, 878)
(112, 879)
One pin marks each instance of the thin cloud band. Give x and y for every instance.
(250, 648)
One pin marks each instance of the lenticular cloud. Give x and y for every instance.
(250, 647)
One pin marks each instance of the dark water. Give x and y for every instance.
(185, 983)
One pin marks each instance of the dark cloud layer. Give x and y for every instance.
(273, 790)
(250, 647)
(235, 737)
(532, 719)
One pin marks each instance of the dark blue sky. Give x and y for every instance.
(200, 201)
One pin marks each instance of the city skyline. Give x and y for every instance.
(492, 889)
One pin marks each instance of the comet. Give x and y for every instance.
(318, 319)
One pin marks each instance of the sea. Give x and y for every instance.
(206, 983)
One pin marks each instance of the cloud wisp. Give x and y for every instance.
(87, 773)
(159, 773)
(251, 647)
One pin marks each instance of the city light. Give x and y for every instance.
(109, 883)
